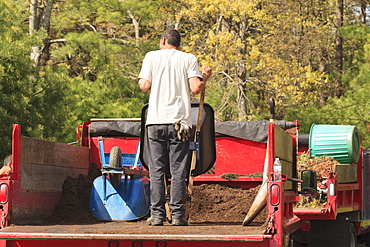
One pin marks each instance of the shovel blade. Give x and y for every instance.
(258, 204)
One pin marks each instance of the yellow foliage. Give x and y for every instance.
(266, 49)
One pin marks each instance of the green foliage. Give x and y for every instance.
(104, 80)
(353, 107)
(257, 50)
(15, 69)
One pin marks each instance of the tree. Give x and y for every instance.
(102, 55)
(91, 52)
(261, 50)
(14, 65)
(40, 19)
(339, 50)
(224, 45)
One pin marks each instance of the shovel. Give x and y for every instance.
(260, 200)
(194, 156)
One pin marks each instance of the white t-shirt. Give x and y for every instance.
(169, 70)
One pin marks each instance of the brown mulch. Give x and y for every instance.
(231, 176)
(219, 203)
(210, 203)
(323, 165)
(73, 206)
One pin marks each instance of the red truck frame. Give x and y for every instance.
(29, 194)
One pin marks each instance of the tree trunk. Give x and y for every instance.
(363, 11)
(323, 93)
(33, 17)
(35, 54)
(136, 24)
(47, 16)
(339, 51)
(242, 75)
(40, 18)
(241, 101)
(45, 24)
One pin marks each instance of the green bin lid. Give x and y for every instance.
(341, 142)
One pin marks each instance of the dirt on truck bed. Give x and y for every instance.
(213, 206)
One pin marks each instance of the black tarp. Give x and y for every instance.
(115, 128)
(250, 130)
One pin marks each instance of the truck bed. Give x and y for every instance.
(138, 231)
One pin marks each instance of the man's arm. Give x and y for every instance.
(196, 84)
(145, 85)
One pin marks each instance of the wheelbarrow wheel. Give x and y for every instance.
(115, 160)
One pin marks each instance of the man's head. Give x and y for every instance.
(8, 160)
(172, 36)
(7, 167)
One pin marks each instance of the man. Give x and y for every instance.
(7, 167)
(170, 75)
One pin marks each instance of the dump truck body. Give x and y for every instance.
(14, 233)
(343, 217)
(33, 189)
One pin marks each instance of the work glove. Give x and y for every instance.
(183, 131)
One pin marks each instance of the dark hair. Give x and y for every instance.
(8, 159)
(172, 36)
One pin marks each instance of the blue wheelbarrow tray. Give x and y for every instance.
(128, 201)
(127, 198)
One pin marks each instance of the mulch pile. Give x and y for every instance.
(323, 165)
(219, 203)
(210, 203)
(73, 207)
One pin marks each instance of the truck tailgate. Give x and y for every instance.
(137, 231)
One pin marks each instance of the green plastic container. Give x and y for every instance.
(341, 142)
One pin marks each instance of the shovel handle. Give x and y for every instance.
(200, 110)
(272, 110)
(194, 158)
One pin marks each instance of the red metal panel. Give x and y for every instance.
(233, 155)
(127, 145)
(358, 196)
(271, 145)
(239, 156)
(5, 202)
(83, 134)
(282, 220)
(138, 243)
(31, 203)
(346, 198)
(14, 176)
(16, 151)
(22, 202)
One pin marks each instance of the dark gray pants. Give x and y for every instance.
(164, 147)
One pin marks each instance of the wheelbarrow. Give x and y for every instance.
(122, 193)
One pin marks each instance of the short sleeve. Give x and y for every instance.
(194, 68)
(145, 72)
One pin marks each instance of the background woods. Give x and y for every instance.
(64, 62)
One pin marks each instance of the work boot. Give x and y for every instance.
(154, 222)
(179, 222)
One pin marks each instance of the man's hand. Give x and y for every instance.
(183, 131)
(206, 72)
(145, 85)
(196, 84)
